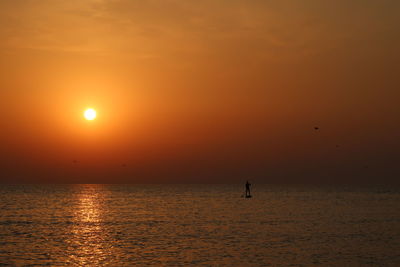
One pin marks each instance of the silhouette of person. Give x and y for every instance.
(248, 189)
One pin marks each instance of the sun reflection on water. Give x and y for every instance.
(89, 241)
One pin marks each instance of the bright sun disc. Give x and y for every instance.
(90, 114)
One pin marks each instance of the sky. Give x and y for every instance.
(211, 91)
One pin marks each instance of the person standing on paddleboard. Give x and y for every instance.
(248, 189)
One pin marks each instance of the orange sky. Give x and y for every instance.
(200, 91)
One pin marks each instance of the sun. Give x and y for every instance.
(90, 114)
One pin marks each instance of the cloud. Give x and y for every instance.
(169, 28)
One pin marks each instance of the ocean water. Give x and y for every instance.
(190, 225)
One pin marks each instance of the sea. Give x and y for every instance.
(199, 225)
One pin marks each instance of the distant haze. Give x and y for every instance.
(200, 91)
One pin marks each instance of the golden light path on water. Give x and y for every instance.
(89, 242)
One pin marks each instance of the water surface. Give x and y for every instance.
(121, 225)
